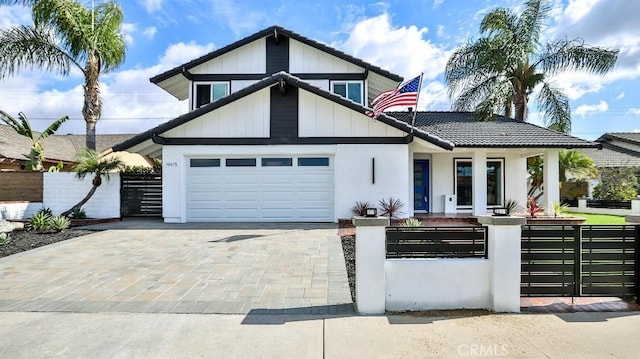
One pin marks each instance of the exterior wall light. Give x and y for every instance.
(372, 212)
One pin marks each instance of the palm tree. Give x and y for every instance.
(89, 162)
(498, 72)
(22, 127)
(570, 162)
(66, 34)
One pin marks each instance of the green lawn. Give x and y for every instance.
(599, 218)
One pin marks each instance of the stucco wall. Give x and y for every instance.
(424, 284)
(63, 190)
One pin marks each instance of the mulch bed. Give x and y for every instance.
(21, 241)
(349, 250)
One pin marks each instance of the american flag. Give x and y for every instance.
(405, 95)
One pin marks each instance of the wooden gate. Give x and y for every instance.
(140, 195)
(600, 260)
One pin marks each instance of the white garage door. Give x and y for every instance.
(263, 189)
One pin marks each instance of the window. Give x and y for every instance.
(241, 162)
(204, 162)
(209, 92)
(313, 161)
(464, 182)
(277, 162)
(348, 89)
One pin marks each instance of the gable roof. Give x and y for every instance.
(463, 130)
(613, 156)
(266, 32)
(56, 147)
(267, 82)
(629, 137)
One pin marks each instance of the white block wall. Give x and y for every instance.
(62, 190)
(18, 210)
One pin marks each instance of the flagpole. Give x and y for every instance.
(415, 110)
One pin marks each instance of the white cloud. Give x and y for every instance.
(633, 111)
(14, 15)
(239, 18)
(128, 29)
(149, 32)
(131, 103)
(583, 110)
(151, 5)
(437, 3)
(402, 50)
(440, 31)
(434, 97)
(620, 96)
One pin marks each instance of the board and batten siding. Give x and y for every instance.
(246, 117)
(247, 59)
(306, 59)
(320, 117)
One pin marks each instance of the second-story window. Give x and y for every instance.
(209, 92)
(349, 89)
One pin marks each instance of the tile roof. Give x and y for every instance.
(266, 32)
(56, 147)
(613, 156)
(629, 137)
(463, 130)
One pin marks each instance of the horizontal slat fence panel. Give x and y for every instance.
(141, 195)
(436, 242)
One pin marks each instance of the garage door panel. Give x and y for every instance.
(277, 194)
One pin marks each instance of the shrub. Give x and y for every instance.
(39, 221)
(45, 211)
(412, 222)
(4, 237)
(616, 184)
(391, 207)
(360, 208)
(58, 223)
(512, 206)
(533, 208)
(78, 213)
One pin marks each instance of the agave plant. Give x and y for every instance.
(412, 222)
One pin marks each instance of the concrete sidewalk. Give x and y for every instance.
(126, 335)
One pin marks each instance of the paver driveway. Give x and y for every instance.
(292, 269)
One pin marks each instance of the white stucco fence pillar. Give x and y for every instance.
(504, 236)
(635, 206)
(551, 179)
(370, 261)
(582, 203)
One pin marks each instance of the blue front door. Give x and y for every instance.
(421, 185)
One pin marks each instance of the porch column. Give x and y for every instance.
(551, 180)
(479, 164)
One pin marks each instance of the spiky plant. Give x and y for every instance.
(391, 207)
(360, 208)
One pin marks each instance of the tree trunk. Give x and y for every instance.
(84, 200)
(520, 103)
(92, 108)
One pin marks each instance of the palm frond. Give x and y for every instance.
(90, 162)
(555, 105)
(53, 127)
(14, 124)
(498, 21)
(567, 55)
(24, 122)
(531, 23)
(30, 47)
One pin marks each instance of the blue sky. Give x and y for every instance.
(406, 37)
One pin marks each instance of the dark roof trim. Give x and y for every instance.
(244, 141)
(609, 136)
(269, 81)
(270, 31)
(586, 145)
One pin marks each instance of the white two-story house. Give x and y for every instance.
(277, 130)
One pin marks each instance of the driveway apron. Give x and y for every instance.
(261, 269)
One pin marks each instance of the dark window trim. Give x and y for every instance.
(244, 141)
(214, 162)
(240, 162)
(311, 161)
(288, 161)
(455, 174)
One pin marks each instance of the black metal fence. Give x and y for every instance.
(598, 203)
(436, 242)
(562, 260)
(140, 195)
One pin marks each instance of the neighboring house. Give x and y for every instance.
(277, 131)
(14, 149)
(619, 149)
